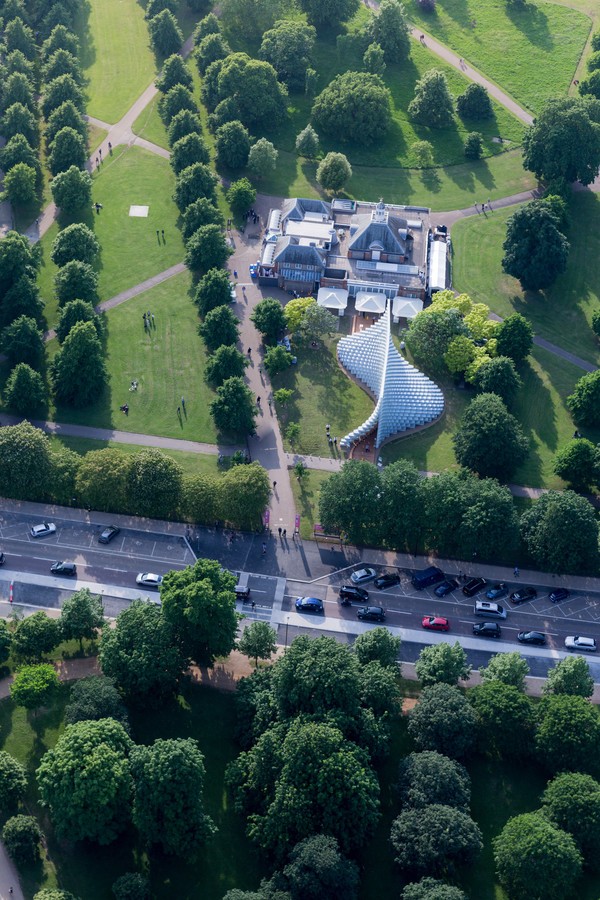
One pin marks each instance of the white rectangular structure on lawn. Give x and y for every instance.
(138, 212)
(438, 255)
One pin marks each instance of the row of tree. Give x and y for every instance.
(590, 86)
(147, 483)
(400, 510)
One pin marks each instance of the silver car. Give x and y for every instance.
(149, 579)
(42, 530)
(578, 642)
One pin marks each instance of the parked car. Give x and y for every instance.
(108, 533)
(496, 591)
(558, 594)
(388, 579)
(42, 530)
(532, 637)
(253, 270)
(446, 587)
(435, 623)
(371, 613)
(523, 595)
(578, 642)
(351, 592)
(487, 629)
(63, 568)
(149, 579)
(309, 604)
(473, 586)
(232, 293)
(490, 609)
(363, 575)
(241, 593)
(2, 559)
(427, 577)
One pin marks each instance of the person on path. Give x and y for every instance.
(158, 235)
(153, 325)
(264, 548)
(516, 571)
(179, 411)
(279, 529)
(258, 401)
(110, 148)
(274, 485)
(100, 152)
(285, 532)
(249, 351)
(163, 236)
(253, 606)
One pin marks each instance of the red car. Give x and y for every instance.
(435, 623)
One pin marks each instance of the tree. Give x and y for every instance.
(60, 38)
(207, 249)
(102, 479)
(334, 172)
(258, 640)
(295, 310)
(85, 781)
(226, 362)
(430, 888)
(268, 319)
(250, 17)
(20, 184)
(154, 7)
(584, 402)
(13, 783)
(374, 59)
(61, 62)
(59, 91)
(534, 858)
(474, 145)
(234, 408)
(596, 322)
(213, 290)
(506, 718)
(509, 668)
(316, 675)
(75, 242)
(220, 327)
(256, 96)
(199, 604)
(570, 676)
(172, 105)
(72, 190)
(442, 663)
(187, 151)
(25, 454)
(389, 28)
(241, 196)
(564, 142)
(200, 212)
(95, 697)
(23, 342)
(184, 121)
(378, 645)
(232, 143)
(18, 119)
(192, 183)
(65, 116)
(174, 71)
(262, 158)
(244, 494)
(35, 637)
(168, 809)
(572, 803)
(81, 616)
(430, 334)
(34, 686)
(489, 440)
(435, 839)
(154, 484)
(443, 720)
(316, 322)
(277, 359)
(132, 886)
(535, 250)
(76, 280)
(318, 871)
(78, 370)
(73, 312)
(5, 641)
(165, 33)
(560, 533)
(211, 48)
(21, 836)
(210, 24)
(307, 143)
(355, 107)
(349, 502)
(142, 655)
(568, 730)
(18, 150)
(288, 46)
(432, 104)
(423, 154)
(429, 777)
(578, 463)
(499, 376)
(328, 15)
(50, 893)
(199, 499)
(514, 337)
(474, 103)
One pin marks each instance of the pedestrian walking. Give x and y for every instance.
(274, 485)
(279, 529)
(234, 273)
(249, 351)
(153, 325)
(516, 571)
(157, 236)
(163, 235)
(100, 152)
(335, 442)
(110, 148)
(269, 401)
(264, 548)
(258, 401)
(179, 411)
(285, 532)
(183, 402)
(253, 606)
(489, 204)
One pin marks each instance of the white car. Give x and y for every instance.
(232, 293)
(42, 530)
(149, 579)
(363, 575)
(577, 642)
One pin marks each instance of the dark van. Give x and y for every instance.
(427, 577)
(242, 593)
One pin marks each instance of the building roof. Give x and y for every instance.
(332, 298)
(379, 230)
(297, 208)
(373, 303)
(288, 250)
(405, 308)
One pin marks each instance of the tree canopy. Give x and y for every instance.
(570, 676)
(234, 407)
(13, 783)
(78, 370)
(560, 532)
(489, 440)
(432, 104)
(564, 141)
(154, 483)
(568, 731)
(506, 718)
(95, 697)
(34, 686)
(535, 249)
(82, 614)
(435, 839)
(572, 803)
(388, 27)
(232, 142)
(584, 402)
(444, 721)
(333, 172)
(330, 14)
(269, 319)
(442, 663)
(428, 777)
(509, 668)
(578, 463)
(288, 47)
(354, 107)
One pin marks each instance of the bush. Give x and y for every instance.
(131, 886)
(13, 783)
(277, 359)
(474, 103)
(22, 836)
(474, 145)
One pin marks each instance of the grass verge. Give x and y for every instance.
(191, 463)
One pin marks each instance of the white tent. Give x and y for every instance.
(437, 266)
(333, 298)
(405, 308)
(370, 303)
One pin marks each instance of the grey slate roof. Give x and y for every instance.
(385, 235)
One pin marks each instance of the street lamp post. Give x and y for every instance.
(287, 625)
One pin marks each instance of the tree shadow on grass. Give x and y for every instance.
(87, 51)
(535, 412)
(531, 20)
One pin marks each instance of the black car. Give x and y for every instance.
(309, 605)
(559, 594)
(473, 586)
(387, 580)
(371, 613)
(532, 637)
(2, 559)
(351, 592)
(487, 629)
(63, 568)
(523, 595)
(110, 532)
(446, 587)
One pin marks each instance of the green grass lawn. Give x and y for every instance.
(563, 313)
(168, 363)
(130, 252)
(116, 56)
(530, 49)
(149, 125)
(306, 499)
